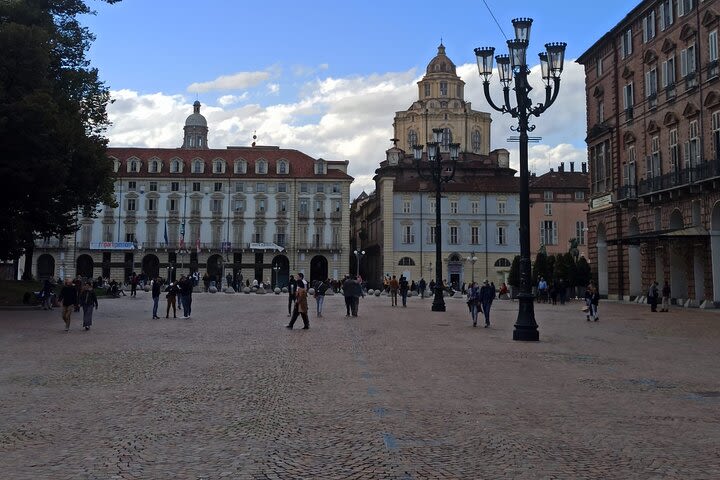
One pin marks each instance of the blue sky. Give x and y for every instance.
(324, 77)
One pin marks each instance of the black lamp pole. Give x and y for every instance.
(515, 66)
(439, 173)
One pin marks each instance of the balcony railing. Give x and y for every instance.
(691, 81)
(628, 192)
(712, 69)
(670, 92)
(318, 246)
(50, 243)
(319, 215)
(684, 176)
(303, 215)
(336, 215)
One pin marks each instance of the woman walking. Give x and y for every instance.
(320, 290)
(473, 302)
(171, 297)
(88, 302)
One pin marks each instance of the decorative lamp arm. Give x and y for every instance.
(506, 91)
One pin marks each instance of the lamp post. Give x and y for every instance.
(514, 66)
(276, 268)
(358, 254)
(182, 252)
(440, 172)
(472, 259)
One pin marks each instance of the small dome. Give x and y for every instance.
(196, 119)
(441, 63)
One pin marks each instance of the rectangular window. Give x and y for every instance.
(651, 87)
(666, 14)
(282, 187)
(454, 234)
(431, 234)
(335, 188)
(259, 235)
(319, 205)
(406, 206)
(303, 187)
(195, 205)
(152, 205)
(303, 206)
(580, 232)
(668, 72)
(196, 186)
(548, 195)
(692, 157)
(320, 188)
(715, 125)
(131, 205)
(443, 89)
(475, 235)
(453, 206)
(239, 187)
(548, 209)
(431, 205)
(649, 26)
(501, 207)
(174, 186)
(579, 195)
(600, 168)
(629, 174)
(153, 186)
(548, 232)
(239, 205)
(216, 206)
(600, 111)
(217, 187)
(132, 185)
(408, 236)
(713, 69)
(628, 100)
(501, 235)
(688, 66)
(260, 187)
(654, 160)
(599, 67)
(685, 6)
(282, 205)
(427, 89)
(172, 205)
(626, 43)
(280, 235)
(475, 207)
(674, 150)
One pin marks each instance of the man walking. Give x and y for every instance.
(653, 295)
(292, 289)
(403, 290)
(665, 297)
(394, 286)
(156, 284)
(487, 295)
(421, 288)
(186, 288)
(68, 299)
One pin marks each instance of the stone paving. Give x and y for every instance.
(397, 393)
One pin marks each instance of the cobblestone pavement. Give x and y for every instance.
(397, 393)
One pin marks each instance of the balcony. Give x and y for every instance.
(680, 178)
(259, 213)
(691, 81)
(336, 215)
(713, 69)
(670, 92)
(282, 214)
(316, 246)
(629, 114)
(303, 215)
(49, 243)
(652, 100)
(319, 215)
(627, 193)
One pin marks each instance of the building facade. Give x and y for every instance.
(558, 210)
(653, 123)
(395, 225)
(259, 211)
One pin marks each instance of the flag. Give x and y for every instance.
(197, 245)
(166, 235)
(182, 241)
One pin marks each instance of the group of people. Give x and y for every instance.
(479, 300)
(72, 298)
(551, 292)
(654, 294)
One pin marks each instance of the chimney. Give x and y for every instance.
(561, 168)
(584, 167)
(551, 170)
(572, 166)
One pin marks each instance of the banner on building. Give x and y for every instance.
(112, 246)
(266, 246)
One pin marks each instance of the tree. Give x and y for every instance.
(540, 268)
(514, 275)
(583, 273)
(52, 120)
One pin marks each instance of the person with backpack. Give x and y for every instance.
(320, 290)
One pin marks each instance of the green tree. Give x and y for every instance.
(583, 273)
(52, 120)
(540, 267)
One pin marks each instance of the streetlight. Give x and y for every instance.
(472, 259)
(276, 268)
(358, 254)
(440, 172)
(515, 66)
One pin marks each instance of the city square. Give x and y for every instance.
(397, 393)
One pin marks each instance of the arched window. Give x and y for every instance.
(455, 258)
(446, 139)
(175, 166)
(197, 166)
(133, 166)
(282, 167)
(412, 138)
(476, 141)
(218, 166)
(261, 166)
(406, 262)
(154, 166)
(240, 166)
(502, 262)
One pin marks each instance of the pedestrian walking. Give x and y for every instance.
(421, 287)
(592, 300)
(357, 292)
(133, 285)
(320, 290)
(301, 305)
(186, 288)
(171, 297)
(88, 302)
(68, 299)
(394, 287)
(348, 292)
(404, 286)
(665, 297)
(47, 295)
(292, 290)
(487, 295)
(473, 302)
(155, 293)
(653, 295)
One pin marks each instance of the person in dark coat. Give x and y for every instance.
(665, 307)
(155, 293)
(653, 295)
(487, 295)
(171, 296)
(292, 289)
(403, 290)
(301, 303)
(186, 288)
(68, 299)
(89, 303)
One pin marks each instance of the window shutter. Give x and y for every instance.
(686, 156)
(555, 233)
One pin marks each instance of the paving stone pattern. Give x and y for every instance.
(396, 393)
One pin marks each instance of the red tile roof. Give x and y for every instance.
(561, 180)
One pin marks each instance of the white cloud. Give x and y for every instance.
(236, 81)
(306, 71)
(348, 119)
(273, 88)
(226, 100)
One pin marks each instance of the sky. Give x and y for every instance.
(326, 77)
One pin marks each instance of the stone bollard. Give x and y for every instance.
(229, 290)
(277, 290)
(246, 290)
(371, 292)
(377, 293)
(285, 290)
(260, 291)
(213, 289)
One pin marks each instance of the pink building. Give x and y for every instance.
(558, 210)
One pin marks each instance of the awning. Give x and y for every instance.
(680, 233)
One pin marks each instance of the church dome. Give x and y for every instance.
(441, 63)
(196, 119)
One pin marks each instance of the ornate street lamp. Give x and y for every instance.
(514, 66)
(276, 268)
(358, 254)
(440, 172)
(472, 259)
